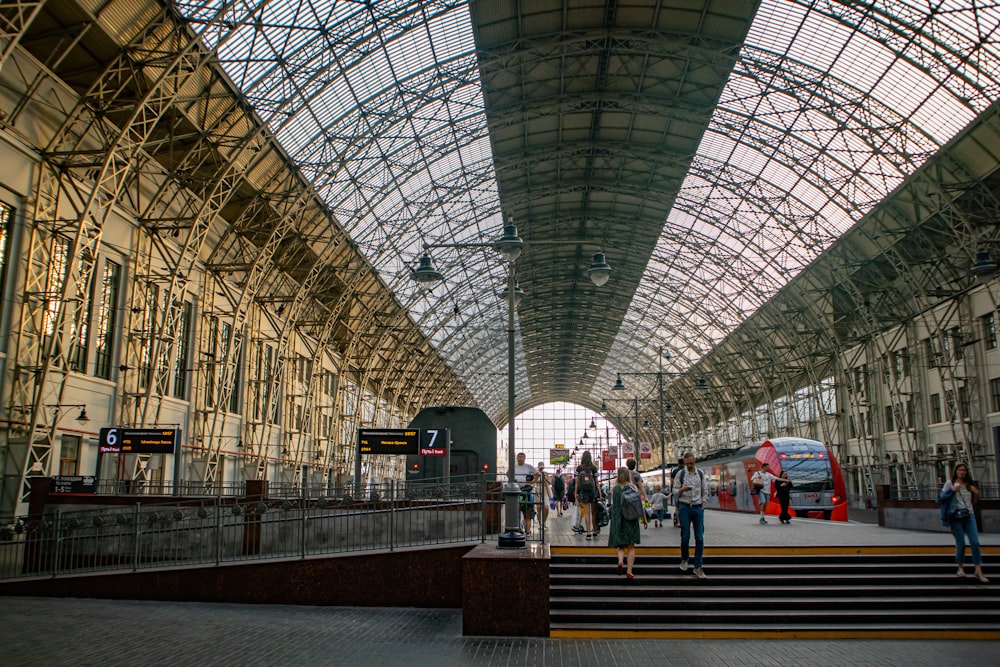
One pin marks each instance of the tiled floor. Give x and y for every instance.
(108, 633)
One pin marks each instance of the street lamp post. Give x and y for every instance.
(509, 245)
(620, 386)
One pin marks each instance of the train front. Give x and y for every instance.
(818, 489)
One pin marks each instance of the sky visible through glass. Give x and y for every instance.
(544, 428)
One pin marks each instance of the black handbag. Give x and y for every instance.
(960, 514)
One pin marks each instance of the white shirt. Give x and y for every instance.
(963, 497)
(697, 493)
(657, 501)
(521, 472)
(765, 477)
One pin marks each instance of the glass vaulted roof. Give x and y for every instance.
(711, 151)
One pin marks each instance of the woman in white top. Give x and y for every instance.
(964, 495)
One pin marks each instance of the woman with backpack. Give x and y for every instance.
(624, 533)
(586, 492)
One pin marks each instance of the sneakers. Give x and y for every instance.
(763, 520)
(684, 566)
(700, 573)
(960, 573)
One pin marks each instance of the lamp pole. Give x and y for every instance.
(509, 245)
(512, 537)
(663, 457)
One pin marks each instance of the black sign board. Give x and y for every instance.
(389, 441)
(138, 440)
(74, 485)
(433, 442)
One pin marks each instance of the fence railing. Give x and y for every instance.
(226, 529)
(931, 492)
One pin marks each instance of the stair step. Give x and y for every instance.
(642, 588)
(895, 594)
(747, 606)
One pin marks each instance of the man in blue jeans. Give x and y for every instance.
(691, 490)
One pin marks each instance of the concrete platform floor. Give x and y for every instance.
(82, 632)
(109, 633)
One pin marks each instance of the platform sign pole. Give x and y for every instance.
(177, 462)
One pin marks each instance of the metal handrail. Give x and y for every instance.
(225, 529)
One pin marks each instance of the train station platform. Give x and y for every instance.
(80, 632)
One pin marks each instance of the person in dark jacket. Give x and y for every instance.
(783, 487)
(558, 490)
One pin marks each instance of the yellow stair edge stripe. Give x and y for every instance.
(771, 550)
(975, 635)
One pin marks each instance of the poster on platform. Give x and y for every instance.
(645, 450)
(559, 457)
(607, 460)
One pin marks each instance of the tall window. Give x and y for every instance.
(69, 455)
(107, 319)
(6, 217)
(901, 363)
(889, 423)
(964, 406)
(957, 342)
(237, 357)
(183, 352)
(936, 409)
(995, 395)
(148, 329)
(211, 359)
(950, 408)
(990, 331)
(80, 340)
(58, 267)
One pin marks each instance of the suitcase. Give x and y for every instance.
(601, 513)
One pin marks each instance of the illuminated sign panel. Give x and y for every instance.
(137, 440)
(389, 441)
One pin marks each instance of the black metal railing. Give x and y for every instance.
(230, 529)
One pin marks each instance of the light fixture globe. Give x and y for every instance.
(425, 272)
(509, 244)
(984, 265)
(599, 271)
(518, 295)
(619, 385)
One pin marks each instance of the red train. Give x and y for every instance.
(818, 488)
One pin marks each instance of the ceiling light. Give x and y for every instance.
(509, 244)
(425, 271)
(599, 270)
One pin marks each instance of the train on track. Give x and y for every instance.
(818, 487)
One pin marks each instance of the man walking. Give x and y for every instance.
(760, 485)
(691, 490)
(669, 490)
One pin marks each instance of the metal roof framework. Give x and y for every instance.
(719, 153)
(712, 150)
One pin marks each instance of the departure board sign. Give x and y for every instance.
(74, 485)
(137, 440)
(389, 441)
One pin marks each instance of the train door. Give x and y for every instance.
(464, 462)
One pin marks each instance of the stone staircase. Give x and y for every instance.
(795, 592)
